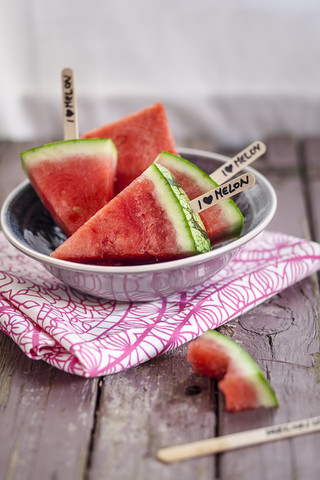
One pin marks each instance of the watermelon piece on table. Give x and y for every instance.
(240, 379)
(139, 138)
(222, 221)
(73, 178)
(150, 220)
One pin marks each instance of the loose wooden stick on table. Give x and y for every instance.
(238, 440)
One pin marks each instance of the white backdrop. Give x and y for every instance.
(231, 71)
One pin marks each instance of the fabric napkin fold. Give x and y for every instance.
(93, 337)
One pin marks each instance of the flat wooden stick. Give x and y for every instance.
(222, 192)
(239, 440)
(251, 153)
(70, 114)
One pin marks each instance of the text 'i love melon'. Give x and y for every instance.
(223, 192)
(70, 117)
(239, 162)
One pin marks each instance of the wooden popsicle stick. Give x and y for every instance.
(222, 192)
(70, 114)
(244, 158)
(239, 440)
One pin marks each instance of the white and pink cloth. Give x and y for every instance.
(93, 337)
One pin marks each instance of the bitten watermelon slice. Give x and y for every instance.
(139, 138)
(149, 220)
(73, 178)
(222, 221)
(240, 379)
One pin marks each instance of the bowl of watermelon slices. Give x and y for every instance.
(152, 252)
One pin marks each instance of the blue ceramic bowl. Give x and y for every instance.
(29, 227)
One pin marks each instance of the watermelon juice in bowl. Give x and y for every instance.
(30, 228)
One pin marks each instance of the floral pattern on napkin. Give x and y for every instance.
(92, 337)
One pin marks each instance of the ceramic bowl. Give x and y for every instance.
(29, 227)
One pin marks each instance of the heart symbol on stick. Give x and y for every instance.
(208, 199)
(69, 113)
(228, 168)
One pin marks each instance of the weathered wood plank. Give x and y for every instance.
(46, 418)
(311, 151)
(146, 408)
(11, 173)
(281, 167)
(282, 336)
(46, 415)
(281, 154)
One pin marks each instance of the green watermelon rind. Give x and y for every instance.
(232, 212)
(244, 364)
(191, 234)
(58, 151)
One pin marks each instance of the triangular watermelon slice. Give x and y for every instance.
(239, 377)
(222, 221)
(150, 220)
(139, 138)
(73, 178)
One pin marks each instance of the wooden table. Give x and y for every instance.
(57, 426)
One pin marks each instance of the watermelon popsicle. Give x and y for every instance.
(74, 178)
(222, 221)
(150, 220)
(139, 137)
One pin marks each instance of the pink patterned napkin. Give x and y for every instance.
(93, 337)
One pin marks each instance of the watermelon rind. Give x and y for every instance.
(106, 236)
(57, 151)
(241, 363)
(73, 178)
(188, 225)
(232, 214)
(199, 176)
(139, 137)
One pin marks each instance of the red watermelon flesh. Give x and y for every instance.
(239, 378)
(73, 179)
(150, 220)
(139, 138)
(222, 221)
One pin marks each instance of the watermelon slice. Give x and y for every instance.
(139, 138)
(149, 220)
(240, 379)
(73, 178)
(222, 221)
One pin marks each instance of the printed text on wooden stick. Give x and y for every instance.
(69, 105)
(222, 192)
(239, 440)
(239, 162)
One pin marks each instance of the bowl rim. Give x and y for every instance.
(127, 269)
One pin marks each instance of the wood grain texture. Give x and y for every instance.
(58, 426)
(156, 404)
(282, 335)
(45, 418)
(11, 173)
(268, 333)
(311, 158)
(46, 415)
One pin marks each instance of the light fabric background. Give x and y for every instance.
(228, 71)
